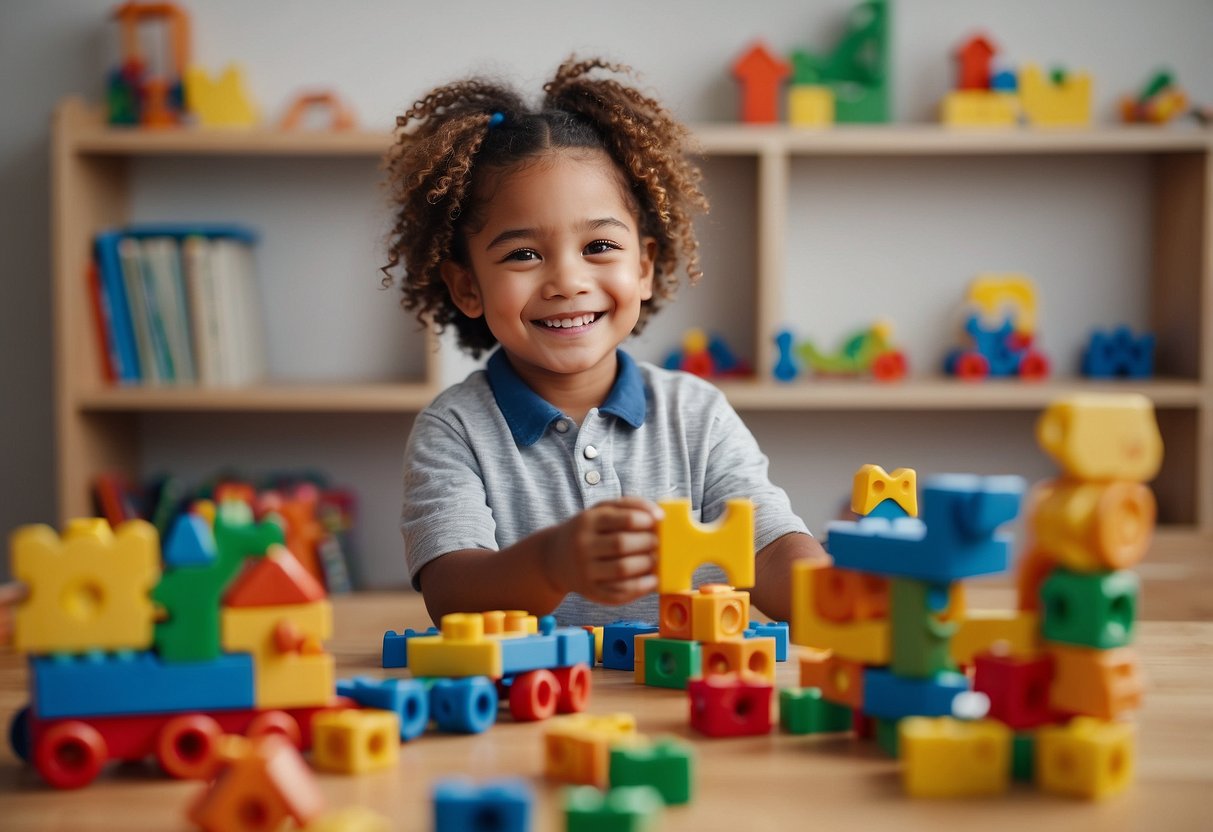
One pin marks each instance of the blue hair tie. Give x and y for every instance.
(496, 119)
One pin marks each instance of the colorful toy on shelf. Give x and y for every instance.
(1000, 325)
(1119, 353)
(866, 352)
(1159, 101)
(706, 357)
(761, 73)
(1052, 682)
(341, 116)
(986, 97)
(136, 96)
(239, 652)
(851, 83)
(220, 102)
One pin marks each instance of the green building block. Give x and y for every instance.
(1096, 609)
(887, 736)
(192, 595)
(1023, 757)
(804, 711)
(921, 639)
(623, 809)
(667, 765)
(857, 69)
(669, 663)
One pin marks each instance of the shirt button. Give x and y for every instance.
(562, 426)
(591, 452)
(593, 477)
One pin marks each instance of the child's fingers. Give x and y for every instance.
(623, 543)
(623, 518)
(621, 592)
(619, 569)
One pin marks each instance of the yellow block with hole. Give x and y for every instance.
(946, 757)
(89, 589)
(753, 658)
(577, 748)
(867, 641)
(1086, 758)
(355, 741)
(873, 485)
(684, 544)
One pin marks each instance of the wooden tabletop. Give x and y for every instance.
(774, 782)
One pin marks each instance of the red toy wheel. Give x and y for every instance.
(70, 755)
(533, 695)
(889, 366)
(575, 683)
(188, 747)
(972, 365)
(276, 722)
(1033, 365)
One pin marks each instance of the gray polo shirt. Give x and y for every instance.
(490, 462)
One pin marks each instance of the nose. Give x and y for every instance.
(566, 277)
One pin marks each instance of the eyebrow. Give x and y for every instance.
(511, 234)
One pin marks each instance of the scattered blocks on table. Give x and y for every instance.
(625, 809)
(88, 590)
(1085, 758)
(724, 706)
(355, 741)
(806, 711)
(502, 805)
(666, 764)
(685, 544)
(1099, 683)
(753, 658)
(1090, 610)
(577, 748)
(618, 643)
(946, 757)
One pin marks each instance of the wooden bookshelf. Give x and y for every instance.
(96, 427)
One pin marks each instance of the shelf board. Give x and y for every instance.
(944, 394)
(93, 136)
(383, 397)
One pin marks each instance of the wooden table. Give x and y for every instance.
(774, 782)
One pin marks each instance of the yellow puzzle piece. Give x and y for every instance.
(290, 667)
(946, 757)
(873, 485)
(1102, 436)
(88, 590)
(684, 545)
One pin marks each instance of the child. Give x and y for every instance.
(556, 233)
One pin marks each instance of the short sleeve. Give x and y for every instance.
(444, 496)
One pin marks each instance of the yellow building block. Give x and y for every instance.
(1098, 683)
(355, 741)
(684, 544)
(1095, 526)
(979, 108)
(873, 485)
(1005, 632)
(1085, 758)
(810, 105)
(867, 642)
(290, 668)
(517, 622)
(461, 649)
(222, 102)
(349, 819)
(999, 296)
(946, 757)
(752, 658)
(577, 748)
(1102, 436)
(88, 590)
(719, 613)
(1048, 104)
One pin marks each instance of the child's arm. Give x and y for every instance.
(606, 553)
(772, 592)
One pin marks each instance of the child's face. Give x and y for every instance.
(559, 268)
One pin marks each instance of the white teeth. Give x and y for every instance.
(565, 323)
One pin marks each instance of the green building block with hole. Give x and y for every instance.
(667, 765)
(804, 711)
(623, 809)
(1094, 609)
(670, 663)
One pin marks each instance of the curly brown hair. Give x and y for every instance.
(464, 130)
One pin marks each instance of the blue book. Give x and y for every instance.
(109, 267)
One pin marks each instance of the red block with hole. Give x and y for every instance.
(727, 706)
(1018, 689)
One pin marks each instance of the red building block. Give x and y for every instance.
(760, 73)
(726, 706)
(1018, 689)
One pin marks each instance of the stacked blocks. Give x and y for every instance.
(229, 651)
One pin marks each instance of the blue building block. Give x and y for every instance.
(954, 539)
(1119, 354)
(495, 806)
(888, 696)
(777, 630)
(396, 646)
(123, 683)
(407, 698)
(619, 643)
(785, 367)
(463, 706)
(190, 542)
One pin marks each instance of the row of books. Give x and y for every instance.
(178, 304)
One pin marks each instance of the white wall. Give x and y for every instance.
(926, 227)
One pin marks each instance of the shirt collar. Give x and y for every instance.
(529, 415)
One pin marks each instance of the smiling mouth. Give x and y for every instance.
(578, 321)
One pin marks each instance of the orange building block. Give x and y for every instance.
(266, 782)
(867, 641)
(839, 680)
(1035, 566)
(278, 578)
(577, 749)
(752, 658)
(1095, 526)
(1098, 683)
(844, 595)
(638, 655)
(674, 613)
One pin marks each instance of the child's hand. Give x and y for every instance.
(607, 553)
